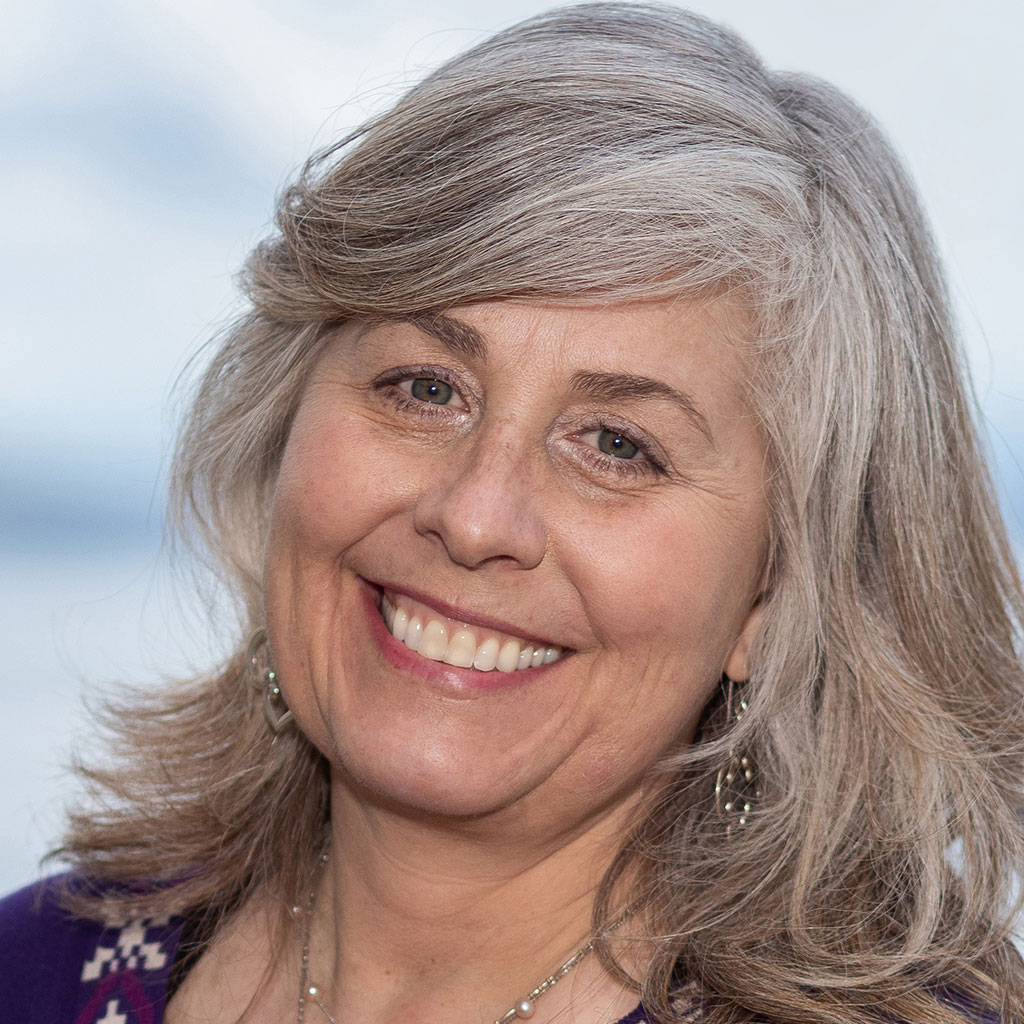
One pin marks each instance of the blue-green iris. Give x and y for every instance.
(427, 389)
(615, 444)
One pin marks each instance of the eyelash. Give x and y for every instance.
(388, 384)
(648, 464)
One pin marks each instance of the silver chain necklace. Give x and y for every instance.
(523, 1009)
(307, 990)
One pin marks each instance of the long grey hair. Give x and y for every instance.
(621, 151)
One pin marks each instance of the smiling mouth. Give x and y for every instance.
(439, 638)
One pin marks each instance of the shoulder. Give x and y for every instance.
(57, 967)
(44, 947)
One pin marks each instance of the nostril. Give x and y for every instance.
(484, 515)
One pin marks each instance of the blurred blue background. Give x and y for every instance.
(141, 145)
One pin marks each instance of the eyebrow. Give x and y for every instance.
(454, 334)
(624, 386)
(612, 387)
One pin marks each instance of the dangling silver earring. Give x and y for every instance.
(735, 784)
(263, 678)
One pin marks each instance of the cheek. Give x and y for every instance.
(665, 583)
(331, 488)
(325, 502)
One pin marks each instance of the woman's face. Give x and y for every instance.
(575, 489)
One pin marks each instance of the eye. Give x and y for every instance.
(424, 391)
(429, 389)
(631, 455)
(613, 443)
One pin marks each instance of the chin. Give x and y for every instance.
(426, 789)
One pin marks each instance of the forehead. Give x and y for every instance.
(674, 347)
(664, 332)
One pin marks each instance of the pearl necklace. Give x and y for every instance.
(522, 1010)
(306, 986)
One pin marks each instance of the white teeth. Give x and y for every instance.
(435, 641)
(429, 636)
(400, 623)
(487, 657)
(508, 657)
(461, 649)
(413, 634)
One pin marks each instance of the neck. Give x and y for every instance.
(423, 920)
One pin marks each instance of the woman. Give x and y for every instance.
(626, 615)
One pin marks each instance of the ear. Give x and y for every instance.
(736, 667)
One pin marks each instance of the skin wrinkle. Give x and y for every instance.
(609, 512)
(610, 387)
(464, 339)
(694, 169)
(433, 494)
(457, 335)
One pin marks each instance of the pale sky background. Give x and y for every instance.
(141, 145)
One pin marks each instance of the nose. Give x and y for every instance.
(483, 507)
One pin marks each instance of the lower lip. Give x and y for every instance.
(449, 678)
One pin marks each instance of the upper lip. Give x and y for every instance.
(461, 615)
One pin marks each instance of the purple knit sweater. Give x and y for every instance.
(59, 969)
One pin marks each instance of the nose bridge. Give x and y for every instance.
(483, 503)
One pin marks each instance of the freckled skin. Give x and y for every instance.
(503, 498)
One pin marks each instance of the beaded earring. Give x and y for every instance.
(736, 788)
(264, 679)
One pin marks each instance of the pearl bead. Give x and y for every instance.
(524, 1008)
(313, 991)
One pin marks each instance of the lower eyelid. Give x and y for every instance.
(641, 465)
(622, 469)
(396, 386)
(403, 401)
